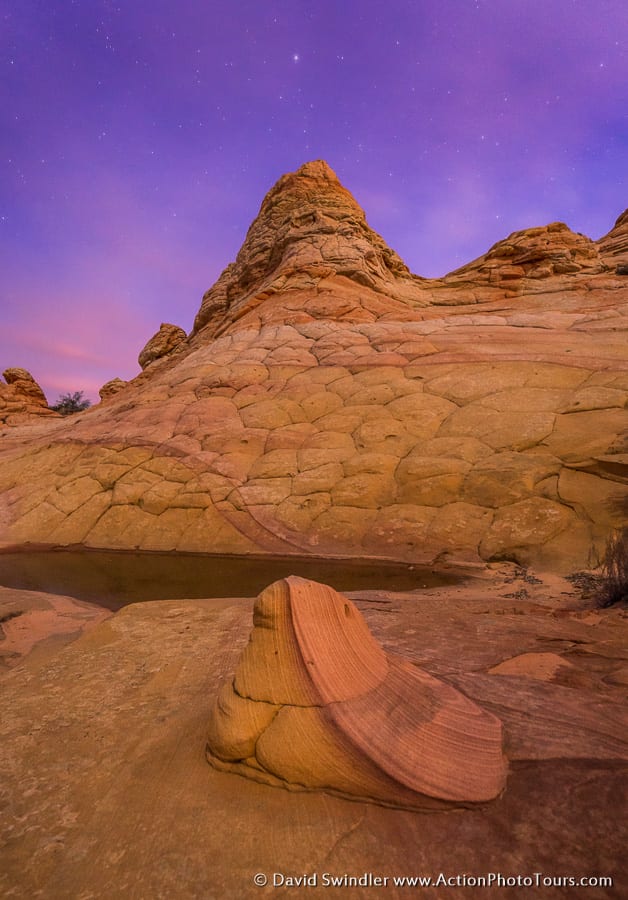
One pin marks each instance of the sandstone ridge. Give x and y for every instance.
(330, 402)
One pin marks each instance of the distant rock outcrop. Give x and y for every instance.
(316, 704)
(111, 388)
(21, 397)
(330, 402)
(534, 253)
(168, 340)
(23, 383)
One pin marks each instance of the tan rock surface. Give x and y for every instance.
(501, 387)
(110, 794)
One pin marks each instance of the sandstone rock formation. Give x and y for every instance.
(533, 253)
(24, 383)
(315, 703)
(112, 387)
(169, 339)
(614, 245)
(328, 401)
(21, 398)
(308, 229)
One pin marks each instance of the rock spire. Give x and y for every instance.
(309, 228)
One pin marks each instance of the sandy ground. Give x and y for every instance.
(106, 792)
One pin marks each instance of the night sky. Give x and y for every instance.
(138, 139)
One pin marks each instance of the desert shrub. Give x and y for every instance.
(614, 581)
(69, 403)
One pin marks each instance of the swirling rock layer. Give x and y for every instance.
(316, 704)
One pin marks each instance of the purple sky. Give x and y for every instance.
(138, 138)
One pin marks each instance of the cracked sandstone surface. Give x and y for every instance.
(328, 401)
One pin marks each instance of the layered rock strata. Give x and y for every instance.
(316, 704)
(330, 402)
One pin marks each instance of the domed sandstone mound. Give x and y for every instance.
(330, 402)
(316, 704)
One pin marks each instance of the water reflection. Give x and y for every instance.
(114, 578)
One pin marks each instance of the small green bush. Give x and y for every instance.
(69, 403)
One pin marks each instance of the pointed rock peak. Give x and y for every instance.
(314, 187)
(316, 168)
(309, 228)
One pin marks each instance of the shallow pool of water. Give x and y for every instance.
(114, 578)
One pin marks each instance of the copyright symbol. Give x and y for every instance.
(260, 879)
